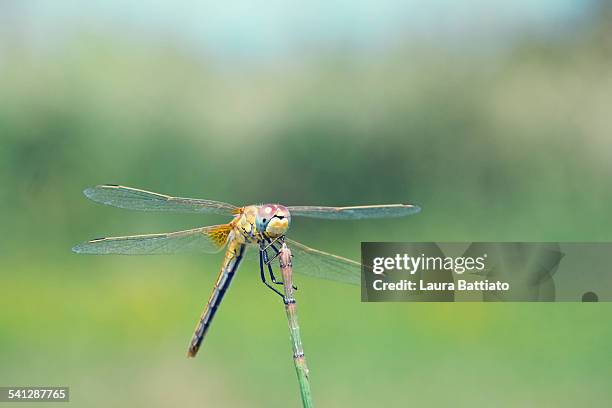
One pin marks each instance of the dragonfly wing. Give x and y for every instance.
(136, 199)
(319, 264)
(207, 239)
(355, 213)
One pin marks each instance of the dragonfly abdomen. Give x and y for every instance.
(233, 257)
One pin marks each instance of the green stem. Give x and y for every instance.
(294, 329)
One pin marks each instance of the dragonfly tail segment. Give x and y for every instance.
(233, 257)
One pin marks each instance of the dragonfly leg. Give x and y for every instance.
(268, 261)
(271, 243)
(263, 258)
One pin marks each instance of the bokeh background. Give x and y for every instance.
(494, 117)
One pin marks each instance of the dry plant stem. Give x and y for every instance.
(294, 329)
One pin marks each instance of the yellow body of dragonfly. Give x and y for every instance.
(261, 226)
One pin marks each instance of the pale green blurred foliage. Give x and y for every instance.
(503, 146)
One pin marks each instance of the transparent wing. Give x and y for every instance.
(207, 239)
(355, 213)
(312, 262)
(135, 199)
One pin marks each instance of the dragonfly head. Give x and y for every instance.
(273, 220)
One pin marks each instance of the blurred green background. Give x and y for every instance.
(495, 120)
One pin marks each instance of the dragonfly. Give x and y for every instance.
(263, 227)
